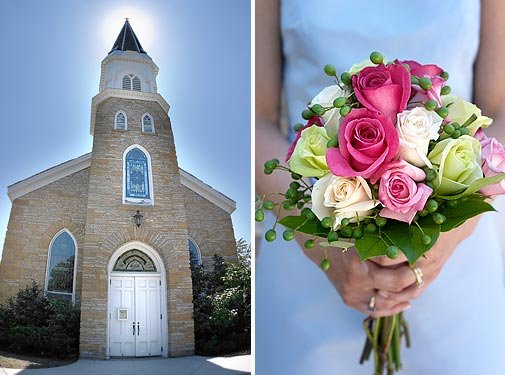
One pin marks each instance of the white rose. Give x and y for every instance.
(342, 197)
(416, 127)
(325, 98)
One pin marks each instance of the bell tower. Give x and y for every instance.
(134, 167)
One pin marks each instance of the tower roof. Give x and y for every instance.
(127, 40)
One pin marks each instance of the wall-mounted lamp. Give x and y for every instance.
(138, 218)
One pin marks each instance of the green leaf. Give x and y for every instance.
(340, 244)
(473, 205)
(399, 234)
(369, 246)
(301, 224)
(431, 229)
(475, 186)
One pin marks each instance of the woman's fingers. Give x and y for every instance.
(388, 262)
(391, 279)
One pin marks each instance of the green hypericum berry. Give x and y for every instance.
(371, 228)
(294, 185)
(446, 90)
(346, 231)
(430, 184)
(414, 80)
(431, 206)
(271, 164)
(267, 171)
(300, 205)
(270, 235)
(332, 142)
(288, 206)
(431, 105)
(308, 213)
(445, 75)
(392, 251)
(339, 102)
(464, 130)
(425, 239)
(291, 193)
(309, 244)
(442, 112)
(326, 222)
(456, 134)
(438, 218)
(456, 125)
(407, 66)
(330, 70)
(422, 213)
(307, 198)
(449, 129)
(297, 127)
(325, 265)
(259, 215)
(346, 79)
(380, 221)
(452, 203)
(288, 234)
(307, 114)
(376, 58)
(332, 236)
(268, 205)
(318, 109)
(430, 175)
(425, 83)
(344, 111)
(345, 222)
(357, 233)
(295, 176)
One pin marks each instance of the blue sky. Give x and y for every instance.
(50, 66)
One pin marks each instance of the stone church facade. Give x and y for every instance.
(72, 227)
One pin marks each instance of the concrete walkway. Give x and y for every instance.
(149, 366)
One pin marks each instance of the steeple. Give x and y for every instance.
(127, 40)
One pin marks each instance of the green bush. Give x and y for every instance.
(222, 305)
(30, 322)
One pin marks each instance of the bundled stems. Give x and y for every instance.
(383, 338)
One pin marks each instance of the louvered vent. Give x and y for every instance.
(136, 84)
(127, 83)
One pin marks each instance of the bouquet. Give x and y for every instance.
(387, 160)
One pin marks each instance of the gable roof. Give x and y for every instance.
(67, 168)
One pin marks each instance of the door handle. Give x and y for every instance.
(138, 328)
(133, 328)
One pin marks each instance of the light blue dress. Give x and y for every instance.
(457, 325)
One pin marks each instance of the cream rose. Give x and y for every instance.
(416, 128)
(342, 197)
(325, 98)
(460, 110)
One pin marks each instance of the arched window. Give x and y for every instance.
(131, 82)
(147, 123)
(61, 266)
(127, 83)
(137, 176)
(136, 83)
(195, 257)
(120, 121)
(134, 261)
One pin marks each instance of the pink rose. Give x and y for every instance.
(401, 190)
(383, 88)
(367, 139)
(314, 120)
(493, 163)
(419, 70)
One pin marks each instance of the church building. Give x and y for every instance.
(114, 231)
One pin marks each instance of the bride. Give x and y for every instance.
(456, 320)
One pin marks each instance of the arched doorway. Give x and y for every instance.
(137, 303)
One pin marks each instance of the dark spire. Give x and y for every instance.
(127, 40)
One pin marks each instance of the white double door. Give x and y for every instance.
(135, 316)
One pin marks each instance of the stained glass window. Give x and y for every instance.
(60, 273)
(137, 174)
(194, 253)
(134, 261)
(120, 122)
(147, 124)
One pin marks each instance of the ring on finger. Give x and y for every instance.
(371, 304)
(419, 276)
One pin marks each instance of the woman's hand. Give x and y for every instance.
(430, 265)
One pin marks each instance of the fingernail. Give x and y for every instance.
(365, 266)
(383, 293)
(407, 307)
